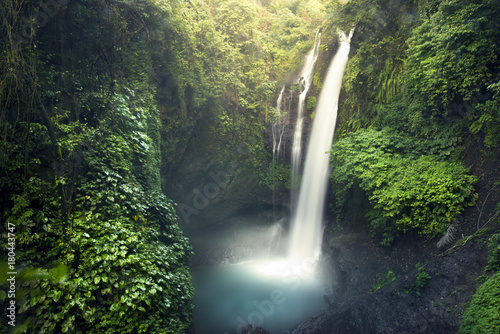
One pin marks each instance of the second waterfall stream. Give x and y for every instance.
(307, 219)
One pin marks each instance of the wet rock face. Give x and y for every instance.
(356, 264)
(209, 194)
(252, 329)
(219, 257)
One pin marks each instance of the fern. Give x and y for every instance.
(448, 237)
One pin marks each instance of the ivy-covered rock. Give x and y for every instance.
(126, 259)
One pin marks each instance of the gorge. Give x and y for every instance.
(237, 166)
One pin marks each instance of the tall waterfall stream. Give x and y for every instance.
(307, 220)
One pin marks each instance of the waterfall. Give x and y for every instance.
(305, 81)
(305, 238)
(277, 130)
(277, 127)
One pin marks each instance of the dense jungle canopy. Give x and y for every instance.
(100, 100)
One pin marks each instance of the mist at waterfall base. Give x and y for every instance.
(277, 292)
(270, 294)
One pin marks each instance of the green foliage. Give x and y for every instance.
(311, 102)
(407, 189)
(127, 257)
(277, 177)
(452, 66)
(348, 14)
(125, 280)
(483, 315)
(289, 36)
(494, 253)
(389, 277)
(487, 121)
(426, 68)
(429, 72)
(318, 84)
(422, 276)
(79, 170)
(235, 20)
(247, 48)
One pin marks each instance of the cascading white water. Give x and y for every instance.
(305, 238)
(277, 128)
(305, 80)
(284, 118)
(277, 131)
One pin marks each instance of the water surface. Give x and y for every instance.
(276, 295)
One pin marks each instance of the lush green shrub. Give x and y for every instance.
(311, 103)
(407, 189)
(483, 314)
(422, 276)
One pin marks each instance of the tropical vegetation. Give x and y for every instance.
(100, 101)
